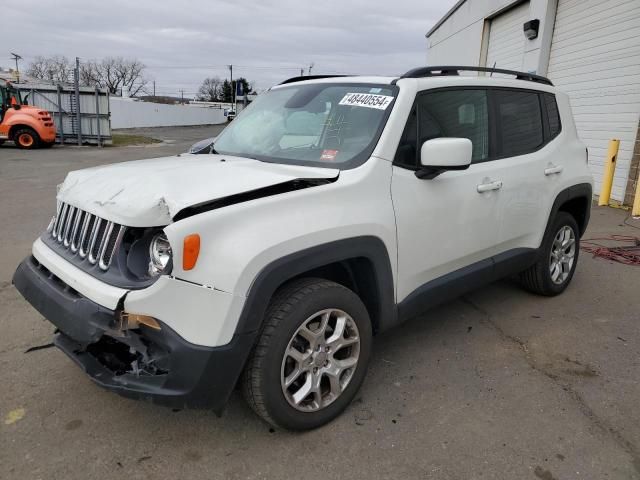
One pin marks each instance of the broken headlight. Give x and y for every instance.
(159, 254)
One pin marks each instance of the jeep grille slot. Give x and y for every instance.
(87, 235)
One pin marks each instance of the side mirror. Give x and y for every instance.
(442, 154)
(203, 146)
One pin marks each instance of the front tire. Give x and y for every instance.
(26, 138)
(557, 259)
(311, 357)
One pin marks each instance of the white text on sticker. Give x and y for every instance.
(381, 102)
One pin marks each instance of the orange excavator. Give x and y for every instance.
(25, 125)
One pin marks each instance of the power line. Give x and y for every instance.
(224, 67)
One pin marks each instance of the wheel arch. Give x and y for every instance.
(17, 126)
(360, 263)
(575, 200)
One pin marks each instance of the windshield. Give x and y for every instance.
(319, 124)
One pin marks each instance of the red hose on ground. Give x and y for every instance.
(626, 254)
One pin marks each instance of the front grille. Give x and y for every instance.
(92, 238)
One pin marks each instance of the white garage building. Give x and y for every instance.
(588, 48)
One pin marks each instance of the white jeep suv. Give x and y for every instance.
(330, 210)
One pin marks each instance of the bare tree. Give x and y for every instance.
(90, 73)
(210, 90)
(112, 73)
(55, 69)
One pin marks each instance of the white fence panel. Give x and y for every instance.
(126, 113)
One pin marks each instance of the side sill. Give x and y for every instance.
(464, 280)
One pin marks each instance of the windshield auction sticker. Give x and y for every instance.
(381, 102)
(329, 155)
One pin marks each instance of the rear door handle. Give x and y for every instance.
(552, 169)
(486, 187)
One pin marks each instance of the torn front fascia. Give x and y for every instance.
(130, 353)
(128, 348)
(285, 187)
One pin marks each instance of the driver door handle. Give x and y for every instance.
(486, 187)
(551, 169)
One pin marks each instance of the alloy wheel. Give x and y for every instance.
(563, 252)
(320, 360)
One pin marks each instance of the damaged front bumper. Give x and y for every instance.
(157, 365)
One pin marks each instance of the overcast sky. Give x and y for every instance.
(182, 42)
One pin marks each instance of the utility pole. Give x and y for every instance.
(310, 67)
(17, 57)
(302, 72)
(231, 82)
(182, 97)
(76, 81)
(154, 88)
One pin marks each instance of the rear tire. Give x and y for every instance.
(26, 138)
(557, 258)
(302, 374)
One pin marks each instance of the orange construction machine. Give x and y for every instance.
(26, 126)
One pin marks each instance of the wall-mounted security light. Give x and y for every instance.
(531, 29)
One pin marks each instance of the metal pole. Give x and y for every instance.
(154, 88)
(76, 78)
(609, 171)
(231, 82)
(60, 115)
(98, 116)
(635, 211)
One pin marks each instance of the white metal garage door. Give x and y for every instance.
(595, 58)
(506, 38)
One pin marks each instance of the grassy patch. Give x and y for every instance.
(124, 140)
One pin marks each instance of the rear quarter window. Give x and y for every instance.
(553, 116)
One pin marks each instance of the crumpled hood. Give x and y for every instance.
(147, 193)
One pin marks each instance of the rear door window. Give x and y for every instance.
(519, 118)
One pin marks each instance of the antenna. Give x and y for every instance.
(16, 57)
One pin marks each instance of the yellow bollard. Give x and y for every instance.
(609, 170)
(635, 211)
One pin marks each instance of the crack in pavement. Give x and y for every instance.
(599, 423)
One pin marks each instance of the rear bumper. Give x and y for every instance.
(153, 365)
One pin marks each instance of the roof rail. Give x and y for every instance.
(421, 72)
(308, 77)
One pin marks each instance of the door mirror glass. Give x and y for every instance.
(442, 154)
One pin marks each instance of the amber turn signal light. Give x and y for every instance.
(190, 251)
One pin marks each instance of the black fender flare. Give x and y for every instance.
(272, 276)
(580, 190)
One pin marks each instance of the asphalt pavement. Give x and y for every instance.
(499, 384)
